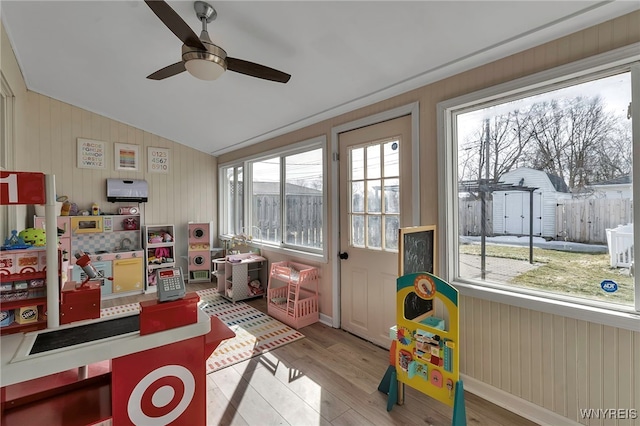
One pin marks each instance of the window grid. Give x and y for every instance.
(374, 214)
(243, 208)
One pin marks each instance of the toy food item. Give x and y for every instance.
(34, 236)
(66, 208)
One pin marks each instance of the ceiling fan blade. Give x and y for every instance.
(168, 71)
(256, 70)
(174, 22)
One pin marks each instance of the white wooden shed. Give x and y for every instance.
(511, 210)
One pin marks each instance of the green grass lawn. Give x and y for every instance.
(576, 274)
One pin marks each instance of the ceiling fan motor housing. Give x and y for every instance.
(213, 54)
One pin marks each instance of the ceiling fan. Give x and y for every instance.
(200, 57)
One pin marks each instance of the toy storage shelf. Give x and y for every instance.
(292, 294)
(33, 297)
(238, 274)
(158, 252)
(219, 267)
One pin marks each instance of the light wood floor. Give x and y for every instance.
(329, 378)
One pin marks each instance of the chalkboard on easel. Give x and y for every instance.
(417, 250)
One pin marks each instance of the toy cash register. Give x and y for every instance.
(170, 284)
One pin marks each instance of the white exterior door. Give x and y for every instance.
(517, 212)
(513, 208)
(375, 200)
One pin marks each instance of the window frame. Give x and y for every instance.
(224, 202)
(627, 317)
(309, 253)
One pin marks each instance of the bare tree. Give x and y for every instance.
(574, 138)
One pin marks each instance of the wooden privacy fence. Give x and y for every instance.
(580, 221)
(303, 219)
(586, 221)
(469, 217)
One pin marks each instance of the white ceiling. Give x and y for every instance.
(341, 55)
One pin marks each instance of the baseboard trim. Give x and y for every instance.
(326, 320)
(515, 404)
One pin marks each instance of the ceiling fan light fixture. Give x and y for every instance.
(200, 57)
(205, 65)
(204, 69)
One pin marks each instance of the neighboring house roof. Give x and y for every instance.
(557, 182)
(621, 180)
(274, 188)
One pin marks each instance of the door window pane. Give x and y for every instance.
(357, 164)
(391, 227)
(391, 196)
(391, 159)
(373, 196)
(357, 197)
(374, 232)
(357, 230)
(373, 162)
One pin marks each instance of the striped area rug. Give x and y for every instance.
(256, 332)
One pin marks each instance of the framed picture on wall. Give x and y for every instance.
(91, 154)
(158, 160)
(126, 157)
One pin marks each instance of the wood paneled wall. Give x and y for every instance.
(186, 193)
(557, 363)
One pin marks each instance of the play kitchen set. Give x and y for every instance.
(113, 244)
(161, 350)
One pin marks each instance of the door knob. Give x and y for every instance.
(344, 255)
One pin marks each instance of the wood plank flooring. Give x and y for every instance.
(329, 378)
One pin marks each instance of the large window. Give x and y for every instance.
(285, 197)
(539, 184)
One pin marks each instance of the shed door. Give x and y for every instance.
(513, 204)
(516, 216)
(537, 213)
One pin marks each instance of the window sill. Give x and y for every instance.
(298, 254)
(626, 320)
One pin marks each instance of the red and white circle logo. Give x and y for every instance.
(161, 396)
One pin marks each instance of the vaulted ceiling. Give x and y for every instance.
(341, 55)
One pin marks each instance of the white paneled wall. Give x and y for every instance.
(558, 363)
(186, 193)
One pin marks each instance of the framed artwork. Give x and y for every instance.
(158, 160)
(91, 154)
(126, 157)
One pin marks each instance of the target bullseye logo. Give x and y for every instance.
(161, 396)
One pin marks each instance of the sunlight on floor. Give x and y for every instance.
(265, 390)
